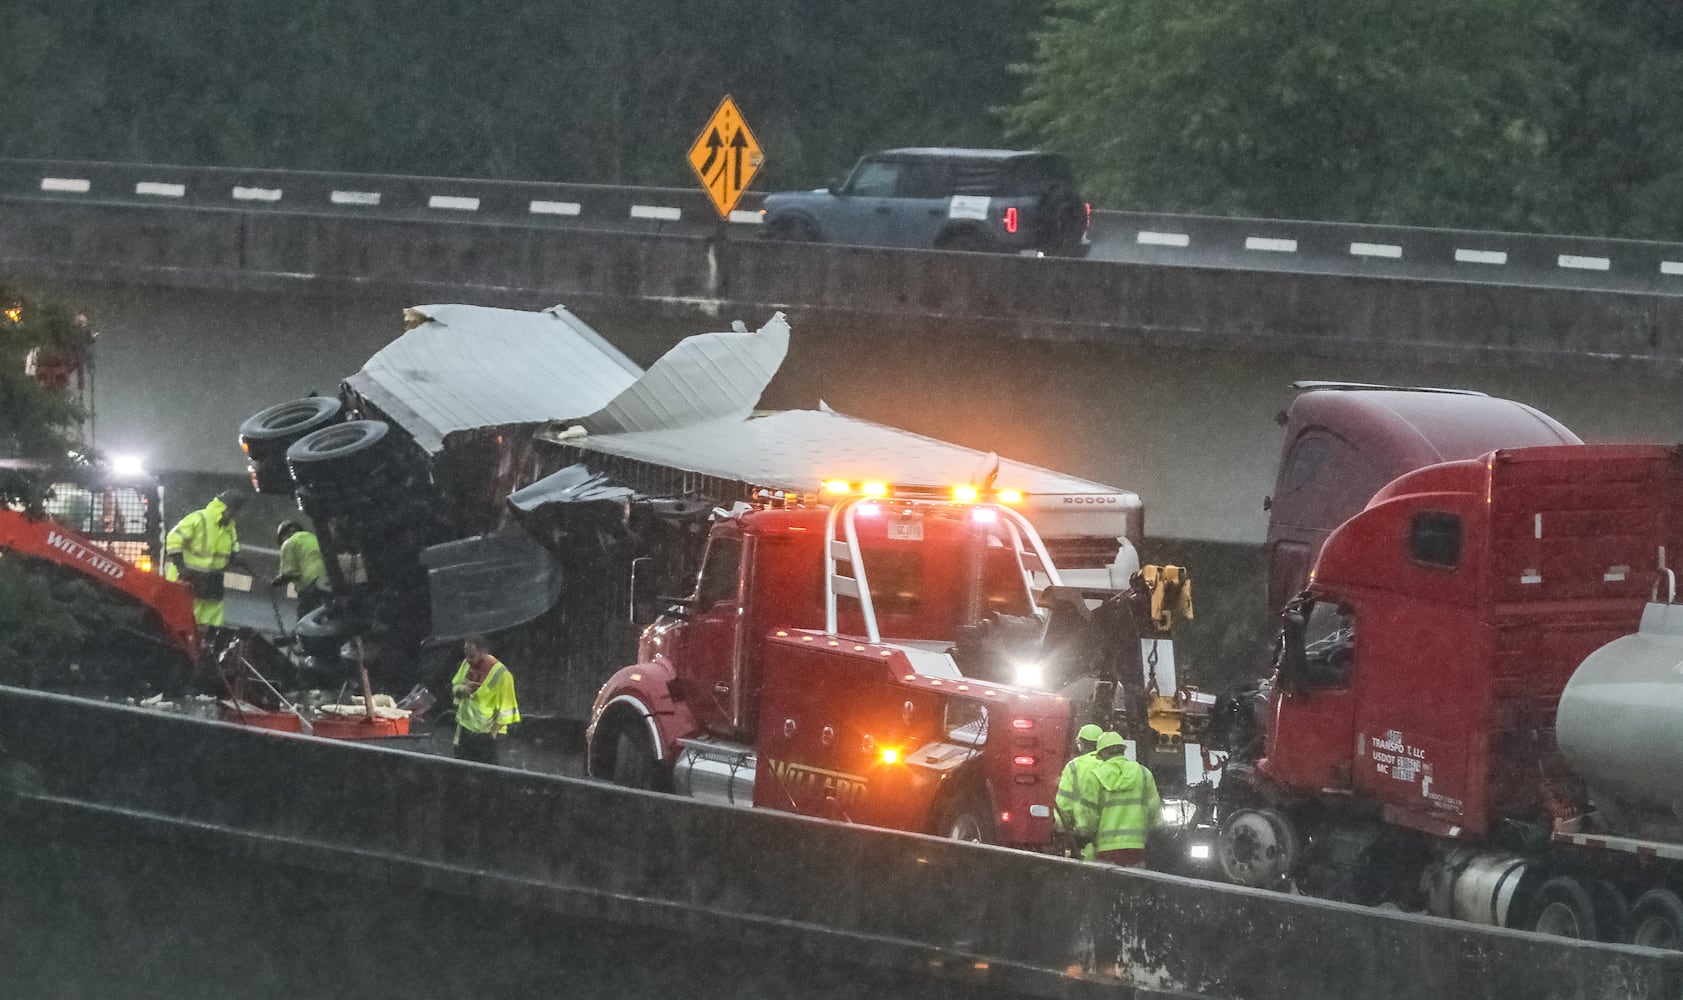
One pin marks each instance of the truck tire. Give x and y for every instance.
(333, 444)
(967, 816)
(634, 760)
(1656, 920)
(1257, 848)
(1562, 907)
(267, 434)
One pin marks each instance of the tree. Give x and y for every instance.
(42, 346)
(1427, 112)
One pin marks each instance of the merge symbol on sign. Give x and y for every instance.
(726, 157)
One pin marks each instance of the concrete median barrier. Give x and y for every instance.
(841, 896)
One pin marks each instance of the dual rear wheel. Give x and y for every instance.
(1595, 910)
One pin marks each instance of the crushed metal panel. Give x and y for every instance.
(461, 367)
(488, 583)
(574, 484)
(710, 376)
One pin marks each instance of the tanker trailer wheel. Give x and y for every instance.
(1257, 848)
(966, 815)
(1562, 907)
(1656, 921)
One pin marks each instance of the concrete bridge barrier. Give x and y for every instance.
(669, 871)
(845, 289)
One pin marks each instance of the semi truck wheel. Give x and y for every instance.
(1563, 908)
(268, 433)
(1257, 848)
(634, 760)
(1656, 921)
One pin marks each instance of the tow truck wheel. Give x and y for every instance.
(1656, 921)
(634, 760)
(966, 816)
(1563, 908)
(1256, 848)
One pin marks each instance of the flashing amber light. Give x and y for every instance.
(890, 755)
(15, 314)
(1011, 219)
(144, 564)
(1010, 496)
(837, 486)
(1022, 723)
(964, 494)
(874, 489)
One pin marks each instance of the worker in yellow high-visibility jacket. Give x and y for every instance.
(485, 706)
(200, 547)
(1069, 783)
(1118, 805)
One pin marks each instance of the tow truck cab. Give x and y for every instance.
(815, 669)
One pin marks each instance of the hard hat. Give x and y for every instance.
(1089, 733)
(286, 528)
(233, 499)
(1109, 740)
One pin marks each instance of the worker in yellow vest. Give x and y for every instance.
(301, 565)
(1069, 783)
(485, 706)
(1118, 805)
(200, 547)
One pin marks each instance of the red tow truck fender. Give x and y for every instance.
(45, 538)
(646, 690)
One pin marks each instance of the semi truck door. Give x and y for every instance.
(1311, 734)
(710, 643)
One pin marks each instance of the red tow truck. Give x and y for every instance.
(873, 655)
(1476, 703)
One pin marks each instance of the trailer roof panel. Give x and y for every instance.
(799, 449)
(461, 367)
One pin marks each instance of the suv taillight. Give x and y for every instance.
(1089, 215)
(1011, 219)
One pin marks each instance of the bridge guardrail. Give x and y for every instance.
(452, 199)
(1470, 256)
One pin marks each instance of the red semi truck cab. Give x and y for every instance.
(1412, 748)
(816, 669)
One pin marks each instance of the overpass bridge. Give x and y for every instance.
(217, 291)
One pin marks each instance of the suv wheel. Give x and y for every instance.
(794, 231)
(967, 241)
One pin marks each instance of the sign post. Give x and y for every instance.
(725, 157)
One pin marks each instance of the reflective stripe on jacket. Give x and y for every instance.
(491, 707)
(1118, 805)
(205, 543)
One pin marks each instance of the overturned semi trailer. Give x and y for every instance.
(501, 471)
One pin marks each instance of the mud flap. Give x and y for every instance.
(488, 583)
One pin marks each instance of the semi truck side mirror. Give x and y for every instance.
(645, 604)
(1293, 662)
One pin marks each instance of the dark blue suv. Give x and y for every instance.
(989, 200)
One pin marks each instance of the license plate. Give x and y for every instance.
(906, 531)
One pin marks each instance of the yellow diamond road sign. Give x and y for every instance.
(726, 157)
